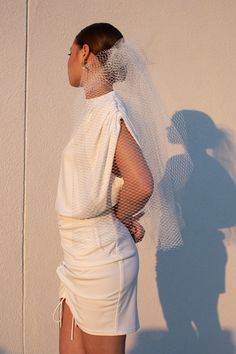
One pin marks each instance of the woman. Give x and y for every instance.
(104, 180)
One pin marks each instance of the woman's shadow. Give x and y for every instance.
(191, 278)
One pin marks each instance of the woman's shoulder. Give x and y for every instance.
(106, 109)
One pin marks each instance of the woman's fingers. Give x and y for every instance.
(137, 231)
(138, 238)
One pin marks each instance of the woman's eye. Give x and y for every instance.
(69, 53)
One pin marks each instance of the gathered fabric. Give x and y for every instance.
(98, 275)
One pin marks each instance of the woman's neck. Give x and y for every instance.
(98, 91)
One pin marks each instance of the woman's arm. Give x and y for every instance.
(138, 181)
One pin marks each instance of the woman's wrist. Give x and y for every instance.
(127, 220)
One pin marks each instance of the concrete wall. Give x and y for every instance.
(192, 46)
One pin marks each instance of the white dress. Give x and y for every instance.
(99, 272)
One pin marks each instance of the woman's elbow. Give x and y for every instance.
(146, 186)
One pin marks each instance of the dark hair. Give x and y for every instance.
(99, 37)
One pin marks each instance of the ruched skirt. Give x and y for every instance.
(98, 275)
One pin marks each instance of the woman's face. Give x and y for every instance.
(76, 62)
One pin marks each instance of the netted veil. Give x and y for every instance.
(125, 67)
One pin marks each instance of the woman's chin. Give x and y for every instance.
(74, 83)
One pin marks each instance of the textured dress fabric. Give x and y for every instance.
(99, 271)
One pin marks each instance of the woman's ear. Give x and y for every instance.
(86, 51)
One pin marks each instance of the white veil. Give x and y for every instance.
(125, 67)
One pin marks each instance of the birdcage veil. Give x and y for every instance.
(126, 68)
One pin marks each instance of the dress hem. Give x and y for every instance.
(132, 330)
(86, 330)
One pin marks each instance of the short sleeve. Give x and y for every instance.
(122, 113)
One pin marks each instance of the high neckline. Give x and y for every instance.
(101, 98)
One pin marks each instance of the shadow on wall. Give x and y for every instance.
(5, 351)
(159, 342)
(191, 278)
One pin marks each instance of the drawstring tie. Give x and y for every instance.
(60, 317)
(60, 313)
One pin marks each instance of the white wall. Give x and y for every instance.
(193, 49)
(12, 130)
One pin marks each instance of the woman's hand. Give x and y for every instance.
(135, 228)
